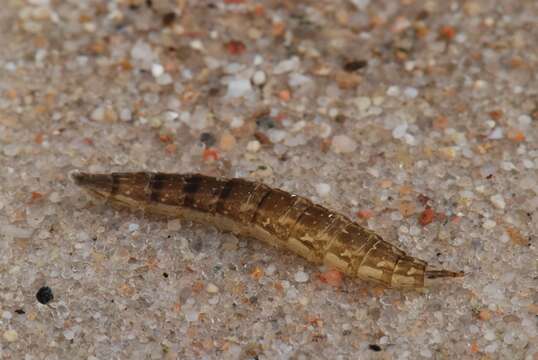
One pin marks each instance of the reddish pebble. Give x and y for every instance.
(516, 135)
(331, 277)
(455, 219)
(284, 95)
(262, 138)
(165, 138)
(426, 217)
(496, 114)
(36, 196)
(38, 139)
(485, 315)
(176, 307)
(259, 10)
(279, 28)
(210, 154)
(365, 214)
(198, 286)
(474, 347)
(235, 47)
(447, 32)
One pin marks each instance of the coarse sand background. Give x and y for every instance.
(417, 119)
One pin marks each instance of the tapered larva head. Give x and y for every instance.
(100, 185)
(131, 189)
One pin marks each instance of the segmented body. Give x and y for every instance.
(271, 215)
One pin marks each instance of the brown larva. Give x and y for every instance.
(272, 215)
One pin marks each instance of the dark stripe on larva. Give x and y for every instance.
(224, 194)
(114, 184)
(369, 245)
(190, 188)
(298, 201)
(256, 207)
(260, 205)
(395, 268)
(156, 183)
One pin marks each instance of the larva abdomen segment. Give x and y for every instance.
(272, 215)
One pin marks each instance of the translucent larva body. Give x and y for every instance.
(274, 216)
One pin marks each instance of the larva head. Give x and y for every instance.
(98, 185)
(124, 188)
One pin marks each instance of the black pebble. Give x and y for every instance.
(20, 311)
(165, 275)
(207, 139)
(44, 295)
(374, 347)
(355, 65)
(265, 122)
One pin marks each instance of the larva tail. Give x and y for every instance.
(436, 274)
(432, 277)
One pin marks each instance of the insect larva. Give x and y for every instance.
(272, 215)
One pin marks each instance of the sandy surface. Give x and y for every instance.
(416, 119)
